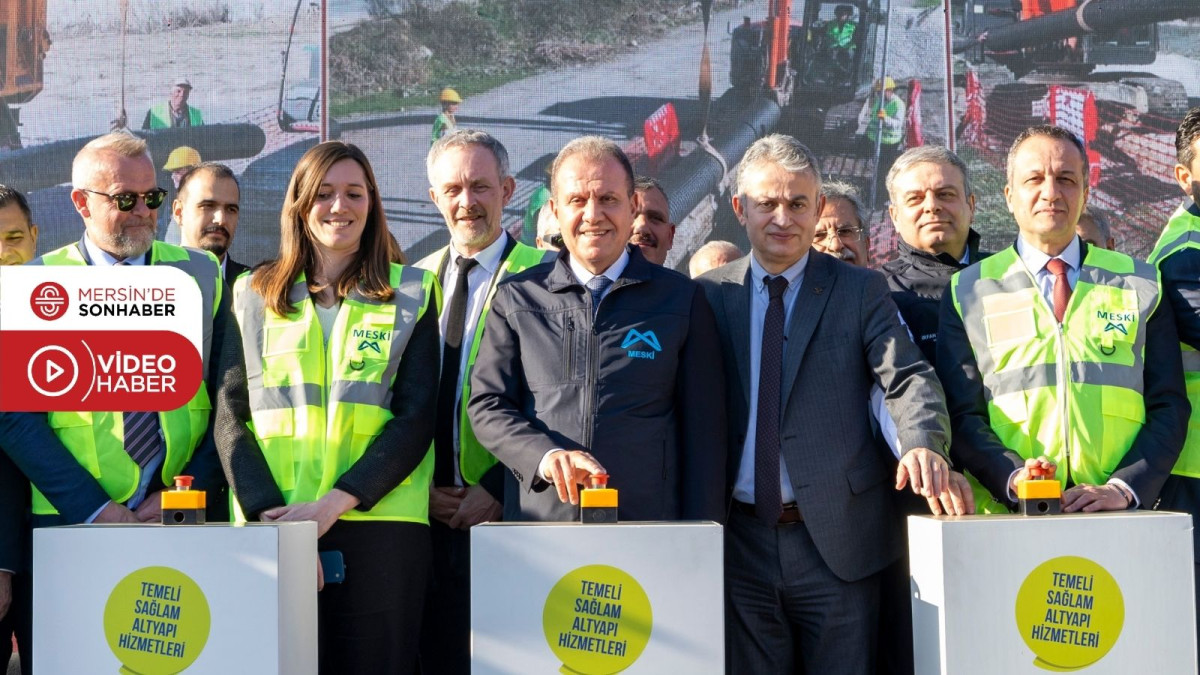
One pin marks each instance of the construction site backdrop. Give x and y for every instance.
(684, 87)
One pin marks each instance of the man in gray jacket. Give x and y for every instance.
(602, 362)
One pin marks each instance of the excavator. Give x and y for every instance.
(24, 42)
(1062, 42)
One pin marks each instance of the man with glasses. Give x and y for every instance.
(111, 466)
(841, 231)
(548, 236)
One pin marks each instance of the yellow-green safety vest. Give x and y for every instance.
(316, 410)
(1183, 232)
(160, 116)
(474, 460)
(97, 439)
(893, 122)
(1072, 392)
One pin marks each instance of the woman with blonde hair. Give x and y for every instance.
(332, 417)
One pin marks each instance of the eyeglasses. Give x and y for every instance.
(125, 201)
(846, 233)
(555, 240)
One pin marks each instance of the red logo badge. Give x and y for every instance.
(49, 301)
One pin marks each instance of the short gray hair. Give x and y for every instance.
(646, 183)
(1099, 219)
(927, 154)
(121, 143)
(545, 219)
(836, 189)
(788, 153)
(462, 138)
(591, 147)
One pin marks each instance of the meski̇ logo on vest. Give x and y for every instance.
(647, 340)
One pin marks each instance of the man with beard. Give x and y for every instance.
(116, 463)
(470, 184)
(842, 228)
(1177, 255)
(653, 230)
(206, 210)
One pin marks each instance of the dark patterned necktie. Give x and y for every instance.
(447, 408)
(142, 441)
(768, 503)
(597, 285)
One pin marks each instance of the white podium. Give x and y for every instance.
(597, 599)
(157, 600)
(1094, 593)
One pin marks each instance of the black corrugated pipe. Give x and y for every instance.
(47, 165)
(692, 178)
(1090, 17)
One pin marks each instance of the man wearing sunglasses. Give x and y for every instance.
(104, 456)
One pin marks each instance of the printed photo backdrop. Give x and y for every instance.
(74, 70)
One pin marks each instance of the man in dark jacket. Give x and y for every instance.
(602, 362)
(932, 205)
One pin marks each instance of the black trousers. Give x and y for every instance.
(446, 630)
(786, 611)
(371, 622)
(1182, 494)
(18, 622)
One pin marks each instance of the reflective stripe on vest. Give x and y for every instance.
(315, 411)
(96, 439)
(1183, 232)
(1073, 394)
(473, 459)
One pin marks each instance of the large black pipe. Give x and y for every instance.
(699, 174)
(1091, 17)
(47, 165)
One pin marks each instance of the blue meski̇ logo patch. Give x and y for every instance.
(648, 338)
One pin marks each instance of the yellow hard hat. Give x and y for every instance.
(181, 158)
(888, 83)
(450, 96)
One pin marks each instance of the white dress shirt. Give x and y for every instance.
(479, 281)
(101, 258)
(743, 488)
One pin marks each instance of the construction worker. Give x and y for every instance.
(444, 123)
(1177, 255)
(180, 161)
(342, 440)
(175, 112)
(885, 127)
(1036, 378)
(470, 184)
(839, 38)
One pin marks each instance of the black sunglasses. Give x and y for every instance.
(125, 201)
(555, 240)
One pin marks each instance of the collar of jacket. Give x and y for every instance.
(638, 270)
(942, 261)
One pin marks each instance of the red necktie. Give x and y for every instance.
(1062, 288)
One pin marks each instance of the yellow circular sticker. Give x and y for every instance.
(1070, 612)
(156, 621)
(597, 620)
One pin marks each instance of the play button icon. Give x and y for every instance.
(49, 368)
